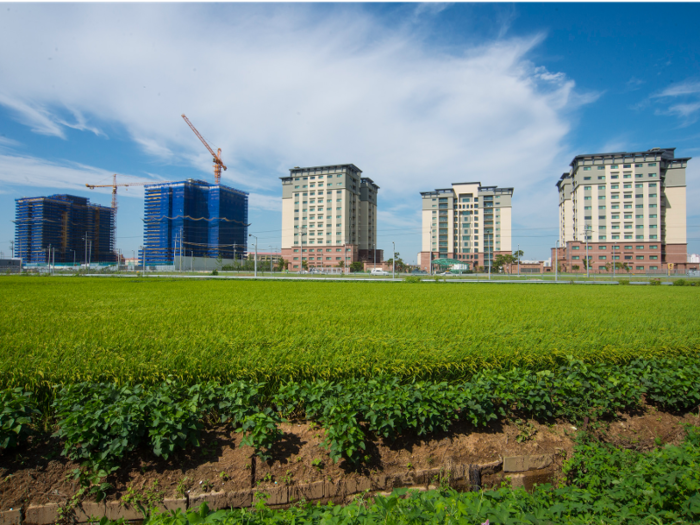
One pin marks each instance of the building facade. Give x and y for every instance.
(68, 226)
(329, 217)
(629, 207)
(468, 222)
(194, 218)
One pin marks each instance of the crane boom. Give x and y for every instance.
(217, 157)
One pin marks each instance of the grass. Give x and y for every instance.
(67, 329)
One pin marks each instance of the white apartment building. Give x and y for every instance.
(468, 222)
(630, 207)
(329, 215)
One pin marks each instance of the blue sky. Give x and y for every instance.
(416, 95)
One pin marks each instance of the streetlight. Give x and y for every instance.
(490, 256)
(271, 258)
(374, 249)
(143, 254)
(73, 259)
(613, 258)
(256, 253)
(588, 263)
(393, 261)
(518, 261)
(556, 260)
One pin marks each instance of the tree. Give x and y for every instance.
(341, 264)
(400, 265)
(357, 266)
(517, 254)
(281, 264)
(304, 265)
(502, 260)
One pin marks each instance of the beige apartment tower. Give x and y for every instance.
(329, 217)
(630, 207)
(468, 222)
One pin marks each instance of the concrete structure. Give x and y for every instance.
(632, 208)
(67, 225)
(194, 218)
(468, 222)
(329, 216)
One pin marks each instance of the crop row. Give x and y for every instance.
(604, 485)
(128, 331)
(99, 423)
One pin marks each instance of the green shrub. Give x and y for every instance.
(655, 282)
(679, 282)
(623, 281)
(412, 279)
(17, 409)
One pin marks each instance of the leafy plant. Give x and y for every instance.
(261, 431)
(17, 410)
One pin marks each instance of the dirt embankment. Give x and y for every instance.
(38, 474)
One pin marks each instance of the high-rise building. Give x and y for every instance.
(329, 216)
(468, 222)
(194, 218)
(630, 207)
(69, 226)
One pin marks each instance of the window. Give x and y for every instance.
(640, 267)
(587, 168)
(601, 168)
(628, 257)
(614, 186)
(639, 175)
(652, 205)
(653, 267)
(627, 186)
(602, 257)
(639, 185)
(654, 257)
(586, 178)
(576, 257)
(601, 197)
(575, 247)
(615, 206)
(653, 247)
(652, 195)
(625, 166)
(601, 207)
(615, 177)
(602, 177)
(627, 176)
(614, 167)
(586, 187)
(652, 164)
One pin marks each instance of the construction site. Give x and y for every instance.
(63, 229)
(190, 218)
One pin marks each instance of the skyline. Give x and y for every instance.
(418, 96)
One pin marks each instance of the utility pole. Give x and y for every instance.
(256, 254)
(73, 259)
(191, 261)
(556, 261)
(374, 249)
(613, 258)
(588, 264)
(490, 258)
(393, 261)
(234, 255)
(271, 259)
(143, 254)
(12, 248)
(518, 261)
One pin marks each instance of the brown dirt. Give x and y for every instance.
(38, 474)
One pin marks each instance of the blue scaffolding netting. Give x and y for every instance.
(195, 218)
(70, 225)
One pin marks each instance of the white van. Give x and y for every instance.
(378, 271)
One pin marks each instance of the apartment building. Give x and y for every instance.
(468, 222)
(630, 207)
(329, 216)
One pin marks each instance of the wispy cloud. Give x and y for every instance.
(681, 100)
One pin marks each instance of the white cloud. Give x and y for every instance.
(277, 86)
(684, 88)
(684, 100)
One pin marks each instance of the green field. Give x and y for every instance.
(58, 330)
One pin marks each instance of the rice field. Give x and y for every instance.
(63, 330)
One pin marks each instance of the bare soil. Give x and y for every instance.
(38, 474)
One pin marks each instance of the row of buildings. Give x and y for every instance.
(614, 208)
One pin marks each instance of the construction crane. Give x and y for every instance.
(114, 194)
(217, 157)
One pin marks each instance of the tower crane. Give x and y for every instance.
(217, 156)
(114, 194)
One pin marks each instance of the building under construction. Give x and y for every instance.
(194, 218)
(69, 226)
